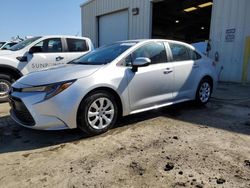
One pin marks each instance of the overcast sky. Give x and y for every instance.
(36, 18)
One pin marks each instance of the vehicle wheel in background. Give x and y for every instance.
(5, 85)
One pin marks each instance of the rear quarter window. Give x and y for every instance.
(194, 55)
(77, 45)
(179, 52)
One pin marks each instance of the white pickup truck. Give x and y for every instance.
(36, 54)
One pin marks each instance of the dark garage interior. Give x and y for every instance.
(184, 20)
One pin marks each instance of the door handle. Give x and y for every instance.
(168, 71)
(59, 58)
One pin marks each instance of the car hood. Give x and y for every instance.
(6, 52)
(59, 74)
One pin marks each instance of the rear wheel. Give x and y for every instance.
(5, 85)
(204, 92)
(97, 113)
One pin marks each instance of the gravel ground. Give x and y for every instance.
(178, 146)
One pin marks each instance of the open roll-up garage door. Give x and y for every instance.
(113, 27)
(184, 20)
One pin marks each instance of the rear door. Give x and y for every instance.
(76, 48)
(186, 70)
(49, 53)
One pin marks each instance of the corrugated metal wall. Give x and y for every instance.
(230, 14)
(227, 14)
(139, 25)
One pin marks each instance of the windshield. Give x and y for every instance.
(104, 54)
(23, 44)
(1, 44)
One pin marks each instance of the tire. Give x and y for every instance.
(5, 85)
(204, 92)
(95, 118)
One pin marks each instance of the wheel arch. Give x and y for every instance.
(15, 73)
(109, 90)
(208, 77)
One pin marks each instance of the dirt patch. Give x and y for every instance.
(179, 146)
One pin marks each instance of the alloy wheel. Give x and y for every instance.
(101, 113)
(204, 92)
(4, 88)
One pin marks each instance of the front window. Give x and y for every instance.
(155, 51)
(50, 45)
(23, 44)
(104, 54)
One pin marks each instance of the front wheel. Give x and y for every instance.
(204, 92)
(97, 113)
(5, 85)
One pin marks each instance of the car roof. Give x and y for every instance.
(64, 36)
(157, 40)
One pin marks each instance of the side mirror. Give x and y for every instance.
(140, 62)
(35, 49)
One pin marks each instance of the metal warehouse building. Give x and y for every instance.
(225, 23)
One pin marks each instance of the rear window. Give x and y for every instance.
(194, 55)
(77, 45)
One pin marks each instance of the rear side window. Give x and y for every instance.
(77, 45)
(179, 52)
(155, 51)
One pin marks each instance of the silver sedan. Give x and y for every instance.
(120, 79)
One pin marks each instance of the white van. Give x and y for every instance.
(36, 54)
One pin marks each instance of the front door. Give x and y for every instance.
(152, 85)
(49, 53)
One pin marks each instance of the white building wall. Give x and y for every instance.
(139, 25)
(230, 14)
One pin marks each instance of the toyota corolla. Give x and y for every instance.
(120, 79)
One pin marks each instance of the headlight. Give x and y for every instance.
(51, 90)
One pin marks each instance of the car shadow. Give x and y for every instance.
(16, 138)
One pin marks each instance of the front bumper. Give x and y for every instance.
(20, 113)
(29, 110)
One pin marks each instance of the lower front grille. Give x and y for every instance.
(21, 112)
